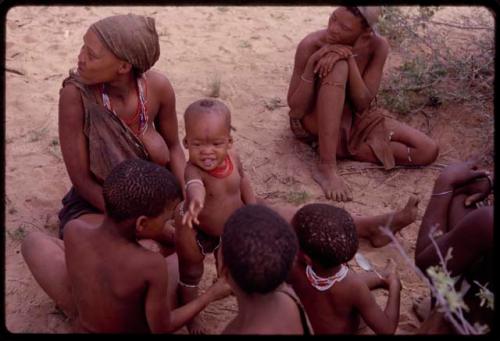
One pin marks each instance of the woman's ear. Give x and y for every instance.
(124, 68)
(185, 142)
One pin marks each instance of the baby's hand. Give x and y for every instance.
(191, 216)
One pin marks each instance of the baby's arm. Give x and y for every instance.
(247, 194)
(381, 322)
(195, 195)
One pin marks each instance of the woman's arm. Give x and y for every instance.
(167, 125)
(364, 87)
(300, 96)
(436, 213)
(74, 146)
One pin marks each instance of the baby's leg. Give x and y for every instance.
(369, 226)
(45, 258)
(190, 270)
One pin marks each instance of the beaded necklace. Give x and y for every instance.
(323, 284)
(223, 170)
(141, 112)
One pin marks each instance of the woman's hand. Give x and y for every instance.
(476, 190)
(323, 60)
(325, 65)
(458, 174)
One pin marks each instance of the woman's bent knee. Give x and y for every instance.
(338, 74)
(427, 153)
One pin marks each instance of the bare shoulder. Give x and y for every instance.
(150, 263)
(380, 44)
(70, 97)
(353, 285)
(75, 229)
(158, 82)
(311, 40)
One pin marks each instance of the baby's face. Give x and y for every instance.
(208, 141)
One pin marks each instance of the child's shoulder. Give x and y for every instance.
(147, 262)
(352, 283)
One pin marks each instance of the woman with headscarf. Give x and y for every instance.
(112, 108)
(331, 96)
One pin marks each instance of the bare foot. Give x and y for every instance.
(422, 307)
(400, 219)
(332, 184)
(196, 327)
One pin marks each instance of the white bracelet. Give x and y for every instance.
(306, 80)
(193, 181)
(441, 193)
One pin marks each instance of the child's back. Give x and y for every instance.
(335, 304)
(334, 296)
(258, 250)
(109, 277)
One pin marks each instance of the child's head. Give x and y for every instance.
(208, 133)
(326, 234)
(258, 248)
(141, 189)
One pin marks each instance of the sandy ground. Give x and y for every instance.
(247, 50)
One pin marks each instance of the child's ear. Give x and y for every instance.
(185, 142)
(230, 141)
(141, 224)
(306, 259)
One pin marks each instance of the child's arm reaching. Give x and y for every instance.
(160, 317)
(195, 196)
(247, 194)
(381, 322)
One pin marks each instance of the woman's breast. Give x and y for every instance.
(155, 145)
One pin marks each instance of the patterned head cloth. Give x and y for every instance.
(132, 38)
(371, 15)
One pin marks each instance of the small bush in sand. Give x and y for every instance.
(436, 69)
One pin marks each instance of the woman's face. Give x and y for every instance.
(343, 27)
(96, 63)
